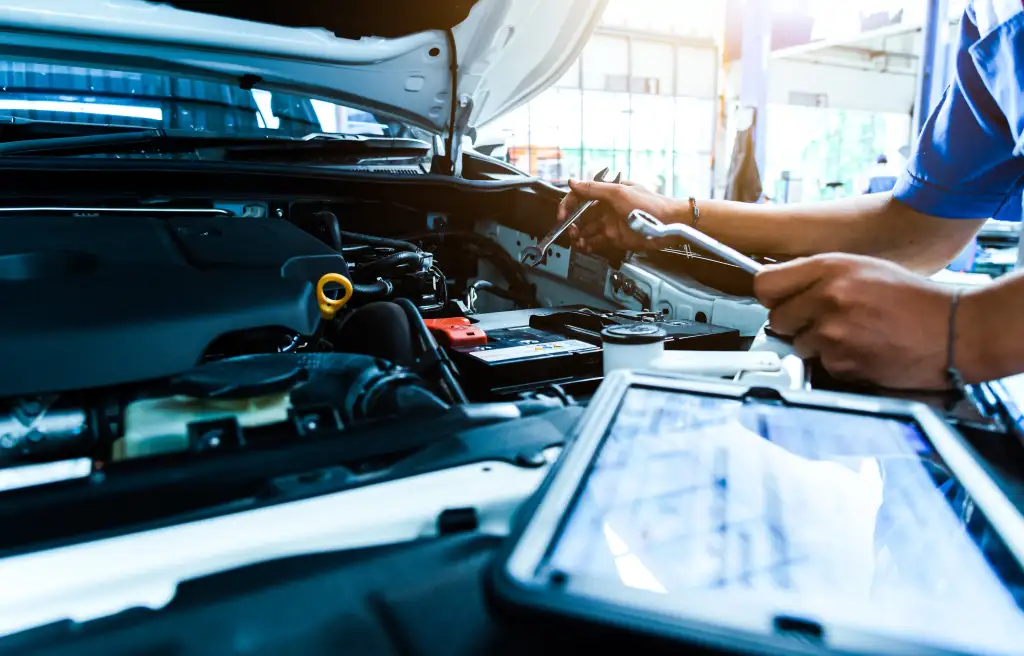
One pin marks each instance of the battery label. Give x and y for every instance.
(533, 350)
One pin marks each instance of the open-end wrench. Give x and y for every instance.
(534, 256)
(651, 227)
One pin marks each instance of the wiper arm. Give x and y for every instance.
(16, 128)
(319, 144)
(235, 146)
(82, 144)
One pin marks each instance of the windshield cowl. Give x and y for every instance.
(40, 100)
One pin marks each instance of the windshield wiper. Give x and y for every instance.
(16, 128)
(246, 146)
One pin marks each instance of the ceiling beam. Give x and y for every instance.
(847, 39)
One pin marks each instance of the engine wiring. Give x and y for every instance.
(380, 267)
(520, 290)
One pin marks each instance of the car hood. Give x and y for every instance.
(389, 56)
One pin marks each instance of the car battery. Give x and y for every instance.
(530, 349)
(518, 357)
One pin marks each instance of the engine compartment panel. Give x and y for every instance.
(110, 297)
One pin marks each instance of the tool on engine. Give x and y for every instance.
(534, 256)
(330, 307)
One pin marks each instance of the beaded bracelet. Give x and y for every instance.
(694, 212)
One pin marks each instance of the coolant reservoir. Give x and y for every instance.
(159, 426)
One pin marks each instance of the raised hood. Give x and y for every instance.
(391, 56)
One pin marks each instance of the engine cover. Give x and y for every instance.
(104, 299)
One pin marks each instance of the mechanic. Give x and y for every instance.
(857, 296)
(880, 177)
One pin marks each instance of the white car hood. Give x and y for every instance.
(508, 51)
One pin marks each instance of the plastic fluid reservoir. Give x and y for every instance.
(156, 426)
(642, 347)
(632, 347)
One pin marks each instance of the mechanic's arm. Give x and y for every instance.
(876, 225)
(963, 168)
(872, 320)
(988, 332)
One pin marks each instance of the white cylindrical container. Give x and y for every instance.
(632, 347)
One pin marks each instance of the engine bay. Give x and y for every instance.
(151, 337)
(357, 370)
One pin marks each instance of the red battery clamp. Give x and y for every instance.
(457, 331)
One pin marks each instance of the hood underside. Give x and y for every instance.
(387, 56)
(348, 19)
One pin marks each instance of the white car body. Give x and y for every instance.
(508, 51)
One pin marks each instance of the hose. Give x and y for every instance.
(490, 287)
(338, 236)
(408, 254)
(519, 286)
(436, 356)
(374, 290)
(330, 221)
(378, 242)
(388, 265)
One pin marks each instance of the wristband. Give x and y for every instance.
(694, 212)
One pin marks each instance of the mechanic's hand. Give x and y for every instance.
(617, 201)
(868, 320)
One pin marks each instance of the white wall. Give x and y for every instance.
(697, 72)
(845, 87)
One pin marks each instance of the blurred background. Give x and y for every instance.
(771, 101)
(658, 94)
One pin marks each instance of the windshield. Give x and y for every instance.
(121, 98)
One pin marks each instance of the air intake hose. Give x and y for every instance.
(361, 388)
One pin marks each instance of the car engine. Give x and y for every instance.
(211, 347)
(176, 329)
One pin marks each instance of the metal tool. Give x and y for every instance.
(534, 256)
(647, 225)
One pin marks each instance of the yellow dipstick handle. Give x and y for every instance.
(328, 306)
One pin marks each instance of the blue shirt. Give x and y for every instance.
(967, 162)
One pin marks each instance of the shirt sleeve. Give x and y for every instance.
(963, 165)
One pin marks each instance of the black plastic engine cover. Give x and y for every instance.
(36, 247)
(96, 331)
(92, 300)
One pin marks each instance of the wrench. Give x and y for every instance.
(651, 227)
(534, 256)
